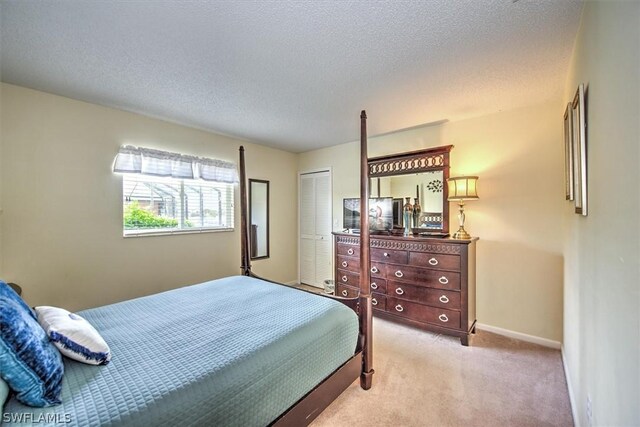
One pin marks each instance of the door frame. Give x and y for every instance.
(308, 172)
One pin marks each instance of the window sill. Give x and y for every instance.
(174, 232)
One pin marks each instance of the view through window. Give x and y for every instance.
(155, 205)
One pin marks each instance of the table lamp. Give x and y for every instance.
(462, 188)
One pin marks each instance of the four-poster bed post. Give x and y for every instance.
(366, 311)
(361, 364)
(244, 221)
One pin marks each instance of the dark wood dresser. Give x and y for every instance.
(429, 283)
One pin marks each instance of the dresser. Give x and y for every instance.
(428, 283)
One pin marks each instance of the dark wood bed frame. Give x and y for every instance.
(361, 364)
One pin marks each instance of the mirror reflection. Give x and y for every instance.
(422, 191)
(259, 215)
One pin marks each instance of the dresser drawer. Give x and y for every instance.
(348, 263)
(379, 301)
(424, 313)
(428, 296)
(347, 250)
(435, 261)
(424, 277)
(378, 285)
(346, 291)
(388, 255)
(349, 278)
(377, 269)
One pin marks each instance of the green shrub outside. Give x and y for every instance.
(136, 217)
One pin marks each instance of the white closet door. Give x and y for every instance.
(307, 229)
(323, 228)
(315, 228)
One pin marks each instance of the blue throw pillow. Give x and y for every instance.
(4, 393)
(29, 363)
(7, 292)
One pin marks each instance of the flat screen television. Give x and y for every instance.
(351, 214)
(380, 214)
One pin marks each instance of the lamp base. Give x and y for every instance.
(461, 234)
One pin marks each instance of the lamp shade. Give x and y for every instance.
(463, 188)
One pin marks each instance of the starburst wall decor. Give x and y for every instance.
(435, 186)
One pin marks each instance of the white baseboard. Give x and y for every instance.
(572, 400)
(520, 336)
(292, 282)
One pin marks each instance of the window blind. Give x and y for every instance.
(151, 162)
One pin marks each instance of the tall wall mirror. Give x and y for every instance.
(418, 178)
(259, 215)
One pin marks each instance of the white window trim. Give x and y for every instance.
(169, 232)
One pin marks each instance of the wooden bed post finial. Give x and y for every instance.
(366, 309)
(245, 265)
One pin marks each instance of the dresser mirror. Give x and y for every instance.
(418, 178)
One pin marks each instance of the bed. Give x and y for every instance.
(240, 350)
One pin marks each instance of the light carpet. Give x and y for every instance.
(426, 379)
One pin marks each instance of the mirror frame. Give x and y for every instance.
(428, 160)
(251, 233)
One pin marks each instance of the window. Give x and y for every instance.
(158, 205)
(166, 192)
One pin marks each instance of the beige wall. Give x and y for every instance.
(518, 156)
(602, 250)
(62, 205)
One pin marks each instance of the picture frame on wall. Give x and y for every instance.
(568, 151)
(579, 144)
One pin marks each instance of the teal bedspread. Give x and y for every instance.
(231, 352)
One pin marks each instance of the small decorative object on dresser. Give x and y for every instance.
(416, 212)
(424, 282)
(407, 216)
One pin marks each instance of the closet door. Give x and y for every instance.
(315, 228)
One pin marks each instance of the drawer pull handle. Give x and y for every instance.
(399, 308)
(345, 293)
(399, 273)
(443, 299)
(386, 254)
(399, 291)
(374, 269)
(350, 251)
(344, 263)
(374, 301)
(433, 261)
(374, 285)
(443, 318)
(443, 280)
(345, 279)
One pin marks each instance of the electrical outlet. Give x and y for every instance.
(589, 411)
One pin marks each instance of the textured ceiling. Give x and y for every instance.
(293, 74)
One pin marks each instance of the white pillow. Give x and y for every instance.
(73, 336)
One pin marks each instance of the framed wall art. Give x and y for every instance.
(568, 152)
(579, 145)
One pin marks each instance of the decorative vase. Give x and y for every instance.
(407, 216)
(416, 212)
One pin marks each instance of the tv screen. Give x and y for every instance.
(351, 213)
(380, 213)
